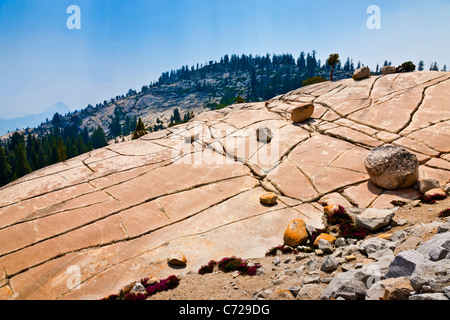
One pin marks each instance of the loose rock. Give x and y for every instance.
(374, 219)
(405, 263)
(373, 245)
(391, 167)
(325, 246)
(138, 288)
(433, 274)
(282, 294)
(361, 73)
(340, 242)
(390, 289)
(388, 70)
(177, 259)
(428, 296)
(435, 191)
(296, 234)
(269, 198)
(409, 244)
(345, 285)
(329, 264)
(325, 236)
(399, 236)
(426, 184)
(439, 240)
(302, 113)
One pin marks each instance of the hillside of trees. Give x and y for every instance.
(24, 153)
(215, 84)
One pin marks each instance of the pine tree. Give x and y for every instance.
(114, 127)
(98, 138)
(301, 64)
(6, 175)
(176, 116)
(62, 150)
(347, 65)
(421, 66)
(22, 165)
(332, 60)
(434, 67)
(140, 129)
(239, 99)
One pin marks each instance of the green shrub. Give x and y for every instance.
(313, 80)
(406, 67)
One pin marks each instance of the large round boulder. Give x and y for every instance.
(361, 73)
(388, 70)
(391, 167)
(302, 112)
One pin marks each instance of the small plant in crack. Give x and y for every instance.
(347, 228)
(282, 248)
(230, 264)
(151, 288)
(323, 203)
(432, 198)
(208, 268)
(398, 203)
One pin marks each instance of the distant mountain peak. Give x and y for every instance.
(32, 120)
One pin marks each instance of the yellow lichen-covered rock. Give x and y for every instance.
(330, 210)
(269, 198)
(325, 236)
(296, 233)
(386, 236)
(177, 259)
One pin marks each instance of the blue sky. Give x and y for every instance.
(126, 44)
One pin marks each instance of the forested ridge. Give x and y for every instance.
(234, 78)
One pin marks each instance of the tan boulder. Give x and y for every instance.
(296, 233)
(269, 198)
(391, 167)
(388, 70)
(302, 113)
(361, 73)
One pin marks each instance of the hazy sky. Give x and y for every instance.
(126, 44)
